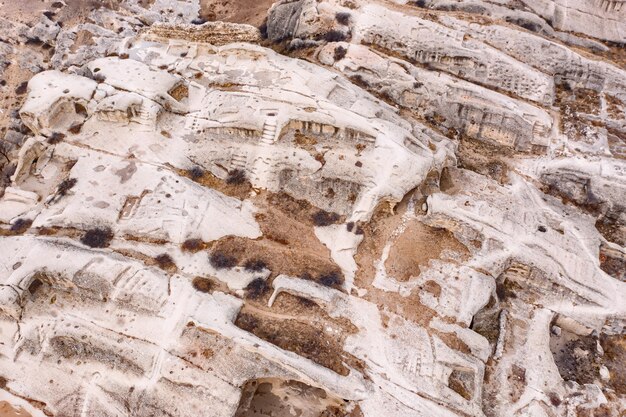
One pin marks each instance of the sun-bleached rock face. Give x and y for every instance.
(598, 19)
(287, 127)
(449, 50)
(474, 110)
(215, 33)
(360, 209)
(56, 101)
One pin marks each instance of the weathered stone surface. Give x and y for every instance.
(282, 22)
(600, 19)
(215, 33)
(361, 208)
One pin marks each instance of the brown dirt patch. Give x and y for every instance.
(484, 158)
(615, 107)
(289, 245)
(616, 54)
(251, 12)
(582, 100)
(305, 141)
(452, 341)
(417, 245)
(432, 287)
(83, 38)
(280, 398)
(305, 338)
(611, 227)
(179, 92)
(615, 360)
(462, 383)
(299, 210)
(280, 257)
(288, 228)
(304, 308)
(239, 190)
(377, 233)
(8, 410)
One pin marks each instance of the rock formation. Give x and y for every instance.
(360, 208)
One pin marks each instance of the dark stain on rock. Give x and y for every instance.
(127, 172)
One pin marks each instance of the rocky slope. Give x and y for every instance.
(359, 208)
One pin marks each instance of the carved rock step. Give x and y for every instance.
(269, 131)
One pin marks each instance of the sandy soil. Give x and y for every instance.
(418, 245)
(7, 410)
(279, 398)
(289, 245)
(252, 12)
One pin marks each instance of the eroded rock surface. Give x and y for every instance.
(358, 208)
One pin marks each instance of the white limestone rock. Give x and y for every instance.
(392, 220)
